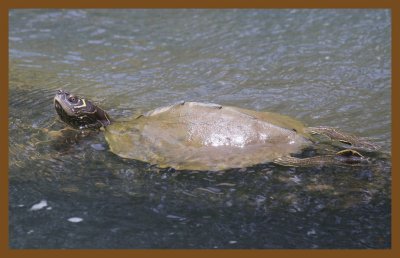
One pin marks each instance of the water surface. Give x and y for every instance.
(323, 67)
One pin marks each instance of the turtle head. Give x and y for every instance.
(79, 112)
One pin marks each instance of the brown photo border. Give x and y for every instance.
(6, 5)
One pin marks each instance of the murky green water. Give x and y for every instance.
(324, 67)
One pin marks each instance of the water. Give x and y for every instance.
(323, 67)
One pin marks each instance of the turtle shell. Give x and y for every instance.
(202, 136)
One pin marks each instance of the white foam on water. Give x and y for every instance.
(39, 206)
(75, 219)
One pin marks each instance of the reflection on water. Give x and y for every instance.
(324, 67)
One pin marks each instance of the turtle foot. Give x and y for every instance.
(350, 141)
(344, 157)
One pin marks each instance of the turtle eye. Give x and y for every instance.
(73, 99)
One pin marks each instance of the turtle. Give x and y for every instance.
(207, 136)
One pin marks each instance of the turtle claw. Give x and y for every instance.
(350, 156)
(349, 153)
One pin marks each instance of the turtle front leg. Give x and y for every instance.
(344, 157)
(334, 134)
